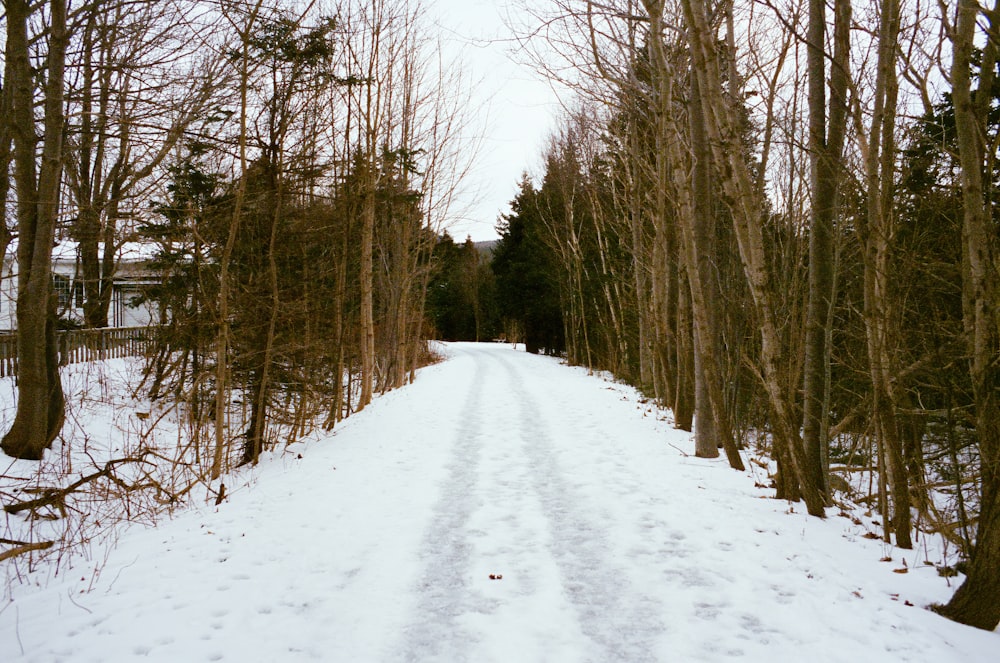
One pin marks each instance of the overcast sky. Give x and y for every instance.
(517, 111)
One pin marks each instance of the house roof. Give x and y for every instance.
(67, 251)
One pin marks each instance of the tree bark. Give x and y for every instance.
(6, 154)
(879, 303)
(367, 306)
(975, 603)
(704, 250)
(371, 109)
(684, 387)
(826, 145)
(690, 172)
(40, 404)
(743, 200)
(222, 334)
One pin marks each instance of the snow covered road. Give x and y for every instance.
(378, 544)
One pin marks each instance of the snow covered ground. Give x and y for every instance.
(387, 540)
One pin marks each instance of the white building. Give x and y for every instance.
(132, 274)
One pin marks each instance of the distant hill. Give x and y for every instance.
(486, 247)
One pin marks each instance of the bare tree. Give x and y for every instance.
(243, 23)
(975, 601)
(744, 201)
(40, 403)
(128, 111)
(879, 305)
(7, 226)
(827, 130)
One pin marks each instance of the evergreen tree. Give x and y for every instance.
(527, 278)
(187, 230)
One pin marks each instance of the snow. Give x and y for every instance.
(377, 543)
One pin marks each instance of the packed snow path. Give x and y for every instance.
(387, 542)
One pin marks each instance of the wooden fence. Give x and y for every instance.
(80, 345)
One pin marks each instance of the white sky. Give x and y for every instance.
(516, 110)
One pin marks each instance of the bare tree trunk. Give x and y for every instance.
(371, 117)
(880, 306)
(692, 186)
(683, 397)
(337, 402)
(826, 145)
(975, 603)
(704, 251)
(367, 307)
(663, 302)
(222, 336)
(40, 403)
(743, 199)
(642, 289)
(6, 154)
(254, 443)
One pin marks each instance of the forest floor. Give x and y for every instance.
(504, 507)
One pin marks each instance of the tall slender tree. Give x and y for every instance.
(975, 602)
(744, 200)
(40, 404)
(827, 129)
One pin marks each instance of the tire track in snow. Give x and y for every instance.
(444, 585)
(620, 619)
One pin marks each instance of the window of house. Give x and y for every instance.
(64, 290)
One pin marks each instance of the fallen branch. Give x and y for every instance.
(41, 545)
(683, 453)
(14, 542)
(57, 496)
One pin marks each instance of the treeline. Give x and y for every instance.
(778, 220)
(287, 167)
